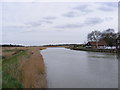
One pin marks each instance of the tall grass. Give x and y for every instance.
(10, 82)
(12, 75)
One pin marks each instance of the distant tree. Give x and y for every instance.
(94, 36)
(109, 36)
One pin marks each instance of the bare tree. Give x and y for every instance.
(94, 36)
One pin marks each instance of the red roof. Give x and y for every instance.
(97, 43)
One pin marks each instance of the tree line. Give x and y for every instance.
(109, 36)
(10, 45)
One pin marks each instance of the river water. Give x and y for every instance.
(80, 69)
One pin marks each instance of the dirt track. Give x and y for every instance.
(33, 70)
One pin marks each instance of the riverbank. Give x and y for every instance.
(95, 50)
(23, 67)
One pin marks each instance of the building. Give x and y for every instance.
(100, 45)
(118, 43)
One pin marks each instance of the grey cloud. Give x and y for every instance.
(29, 30)
(107, 6)
(112, 4)
(93, 21)
(78, 10)
(71, 14)
(70, 26)
(34, 24)
(108, 18)
(104, 8)
(83, 8)
(26, 26)
(49, 18)
(39, 23)
(16, 27)
(88, 22)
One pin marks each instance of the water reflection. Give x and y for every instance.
(80, 69)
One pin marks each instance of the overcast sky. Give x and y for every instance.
(38, 23)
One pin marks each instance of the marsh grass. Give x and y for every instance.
(10, 82)
(11, 73)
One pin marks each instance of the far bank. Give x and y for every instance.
(96, 50)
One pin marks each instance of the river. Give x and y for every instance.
(80, 69)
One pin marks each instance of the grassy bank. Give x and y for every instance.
(21, 68)
(12, 75)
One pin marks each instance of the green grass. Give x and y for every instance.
(12, 75)
(10, 82)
